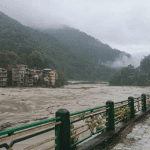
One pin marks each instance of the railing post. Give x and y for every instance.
(143, 102)
(131, 105)
(110, 113)
(62, 131)
(148, 96)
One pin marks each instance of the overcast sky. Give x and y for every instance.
(122, 24)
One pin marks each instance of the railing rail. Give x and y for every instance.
(96, 119)
(8, 131)
(28, 129)
(90, 123)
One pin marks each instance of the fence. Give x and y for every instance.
(97, 120)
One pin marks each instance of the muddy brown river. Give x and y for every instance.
(19, 106)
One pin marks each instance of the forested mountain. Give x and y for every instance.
(76, 54)
(85, 45)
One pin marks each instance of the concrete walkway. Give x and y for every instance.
(138, 138)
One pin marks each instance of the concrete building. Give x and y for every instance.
(47, 77)
(28, 78)
(21, 75)
(54, 76)
(36, 75)
(18, 74)
(3, 77)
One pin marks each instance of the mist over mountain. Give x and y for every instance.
(80, 42)
(85, 45)
(78, 55)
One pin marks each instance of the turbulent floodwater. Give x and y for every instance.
(19, 106)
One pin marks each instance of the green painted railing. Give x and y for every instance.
(97, 120)
(82, 117)
(26, 129)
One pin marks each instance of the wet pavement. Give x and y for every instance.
(138, 138)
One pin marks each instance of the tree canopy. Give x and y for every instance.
(145, 64)
(36, 59)
(131, 76)
(8, 57)
(62, 80)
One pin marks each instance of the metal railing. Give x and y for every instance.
(97, 120)
(28, 129)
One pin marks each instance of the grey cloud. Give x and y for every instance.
(124, 61)
(120, 24)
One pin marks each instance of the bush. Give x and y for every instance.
(75, 139)
(61, 81)
(130, 76)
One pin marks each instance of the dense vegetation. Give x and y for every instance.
(85, 45)
(62, 80)
(32, 60)
(76, 54)
(131, 76)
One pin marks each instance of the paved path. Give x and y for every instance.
(138, 138)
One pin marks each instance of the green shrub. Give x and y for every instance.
(75, 139)
(61, 81)
(126, 115)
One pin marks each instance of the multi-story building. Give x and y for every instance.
(36, 74)
(3, 77)
(28, 78)
(47, 77)
(20, 75)
(54, 76)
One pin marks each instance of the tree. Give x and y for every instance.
(125, 77)
(61, 81)
(36, 59)
(8, 57)
(145, 64)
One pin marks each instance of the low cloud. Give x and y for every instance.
(124, 61)
(123, 25)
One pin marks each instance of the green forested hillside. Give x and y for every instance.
(84, 45)
(133, 76)
(76, 54)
